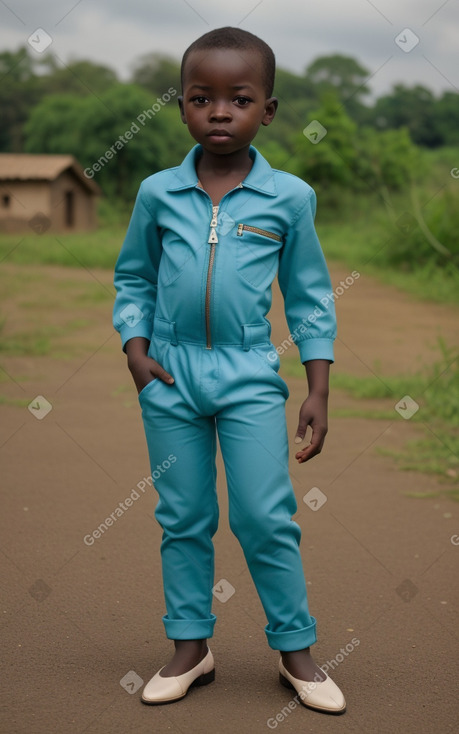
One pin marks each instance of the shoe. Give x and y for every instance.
(322, 695)
(173, 688)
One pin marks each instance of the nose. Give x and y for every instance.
(220, 111)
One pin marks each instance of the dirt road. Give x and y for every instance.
(82, 613)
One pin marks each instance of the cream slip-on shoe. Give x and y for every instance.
(322, 696)
(173, 688)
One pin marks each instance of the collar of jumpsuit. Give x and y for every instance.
(260, 177)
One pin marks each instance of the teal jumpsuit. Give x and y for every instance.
(195, 280)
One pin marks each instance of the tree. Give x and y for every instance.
(18, 94)
(54, 126)
(157, 73)
(447, 118)
(119, 137)
(388, 160)
(331, 160)
(349, 159)
(413, 108)
(27, 79)
(342, 75)
(77, 77)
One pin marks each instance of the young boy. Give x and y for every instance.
(194, 286)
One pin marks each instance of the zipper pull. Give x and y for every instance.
(213, 224)
(240, 229)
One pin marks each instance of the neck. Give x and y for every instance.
(225, 165)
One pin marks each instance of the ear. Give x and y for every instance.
(182, 111)
(270, 110)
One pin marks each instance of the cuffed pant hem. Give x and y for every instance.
(294, 640)
(189, 629)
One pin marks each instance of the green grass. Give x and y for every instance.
(16, 402)
(360, 245)
(36, 342)
(363, 235)
(379, 414)
(435, 389)
(98, 249)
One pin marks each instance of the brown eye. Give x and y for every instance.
(242, 101)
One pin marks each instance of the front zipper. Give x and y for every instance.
(212, 241)
(257, 230)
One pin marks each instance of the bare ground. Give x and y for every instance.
(78, 618)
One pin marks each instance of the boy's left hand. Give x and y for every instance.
(313, 413)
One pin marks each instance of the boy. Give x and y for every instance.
(194, 286)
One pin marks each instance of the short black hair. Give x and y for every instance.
(236, 38)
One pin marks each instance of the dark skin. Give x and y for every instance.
(224, 103)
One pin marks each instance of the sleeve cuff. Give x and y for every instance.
(316, 349)
(142, 328)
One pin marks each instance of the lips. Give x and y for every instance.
(219, 134)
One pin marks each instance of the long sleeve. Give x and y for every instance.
(136, 274)
(305, 284)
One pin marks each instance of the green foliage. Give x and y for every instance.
(387, 159)
(297, 97)
(157, 73)
(53, 126)
(426, 234)
(435, 388)
(19, 92)
(447, 114)
(89, 126)
(278, 156)
(353, 160)
(330, 162)
(342, 75)
(26, 80)
(431, 122)
(76, 77)
(97, 249)
(81, 108)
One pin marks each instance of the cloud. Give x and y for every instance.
(116, 32)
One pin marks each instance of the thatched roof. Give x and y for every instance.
(40, 167)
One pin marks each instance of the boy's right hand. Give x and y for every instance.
(143, 368)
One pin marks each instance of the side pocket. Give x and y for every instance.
(147, 387)
(269, 359)
(158, 350)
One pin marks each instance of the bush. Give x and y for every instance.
(349, 159)
(427, 234)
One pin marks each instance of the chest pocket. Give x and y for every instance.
(257, 254)
(176, 255)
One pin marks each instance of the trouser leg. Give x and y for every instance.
(187, 509)
(253, 437)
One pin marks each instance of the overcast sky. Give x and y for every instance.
(117, 32)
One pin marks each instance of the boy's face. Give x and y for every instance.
(224, 100)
